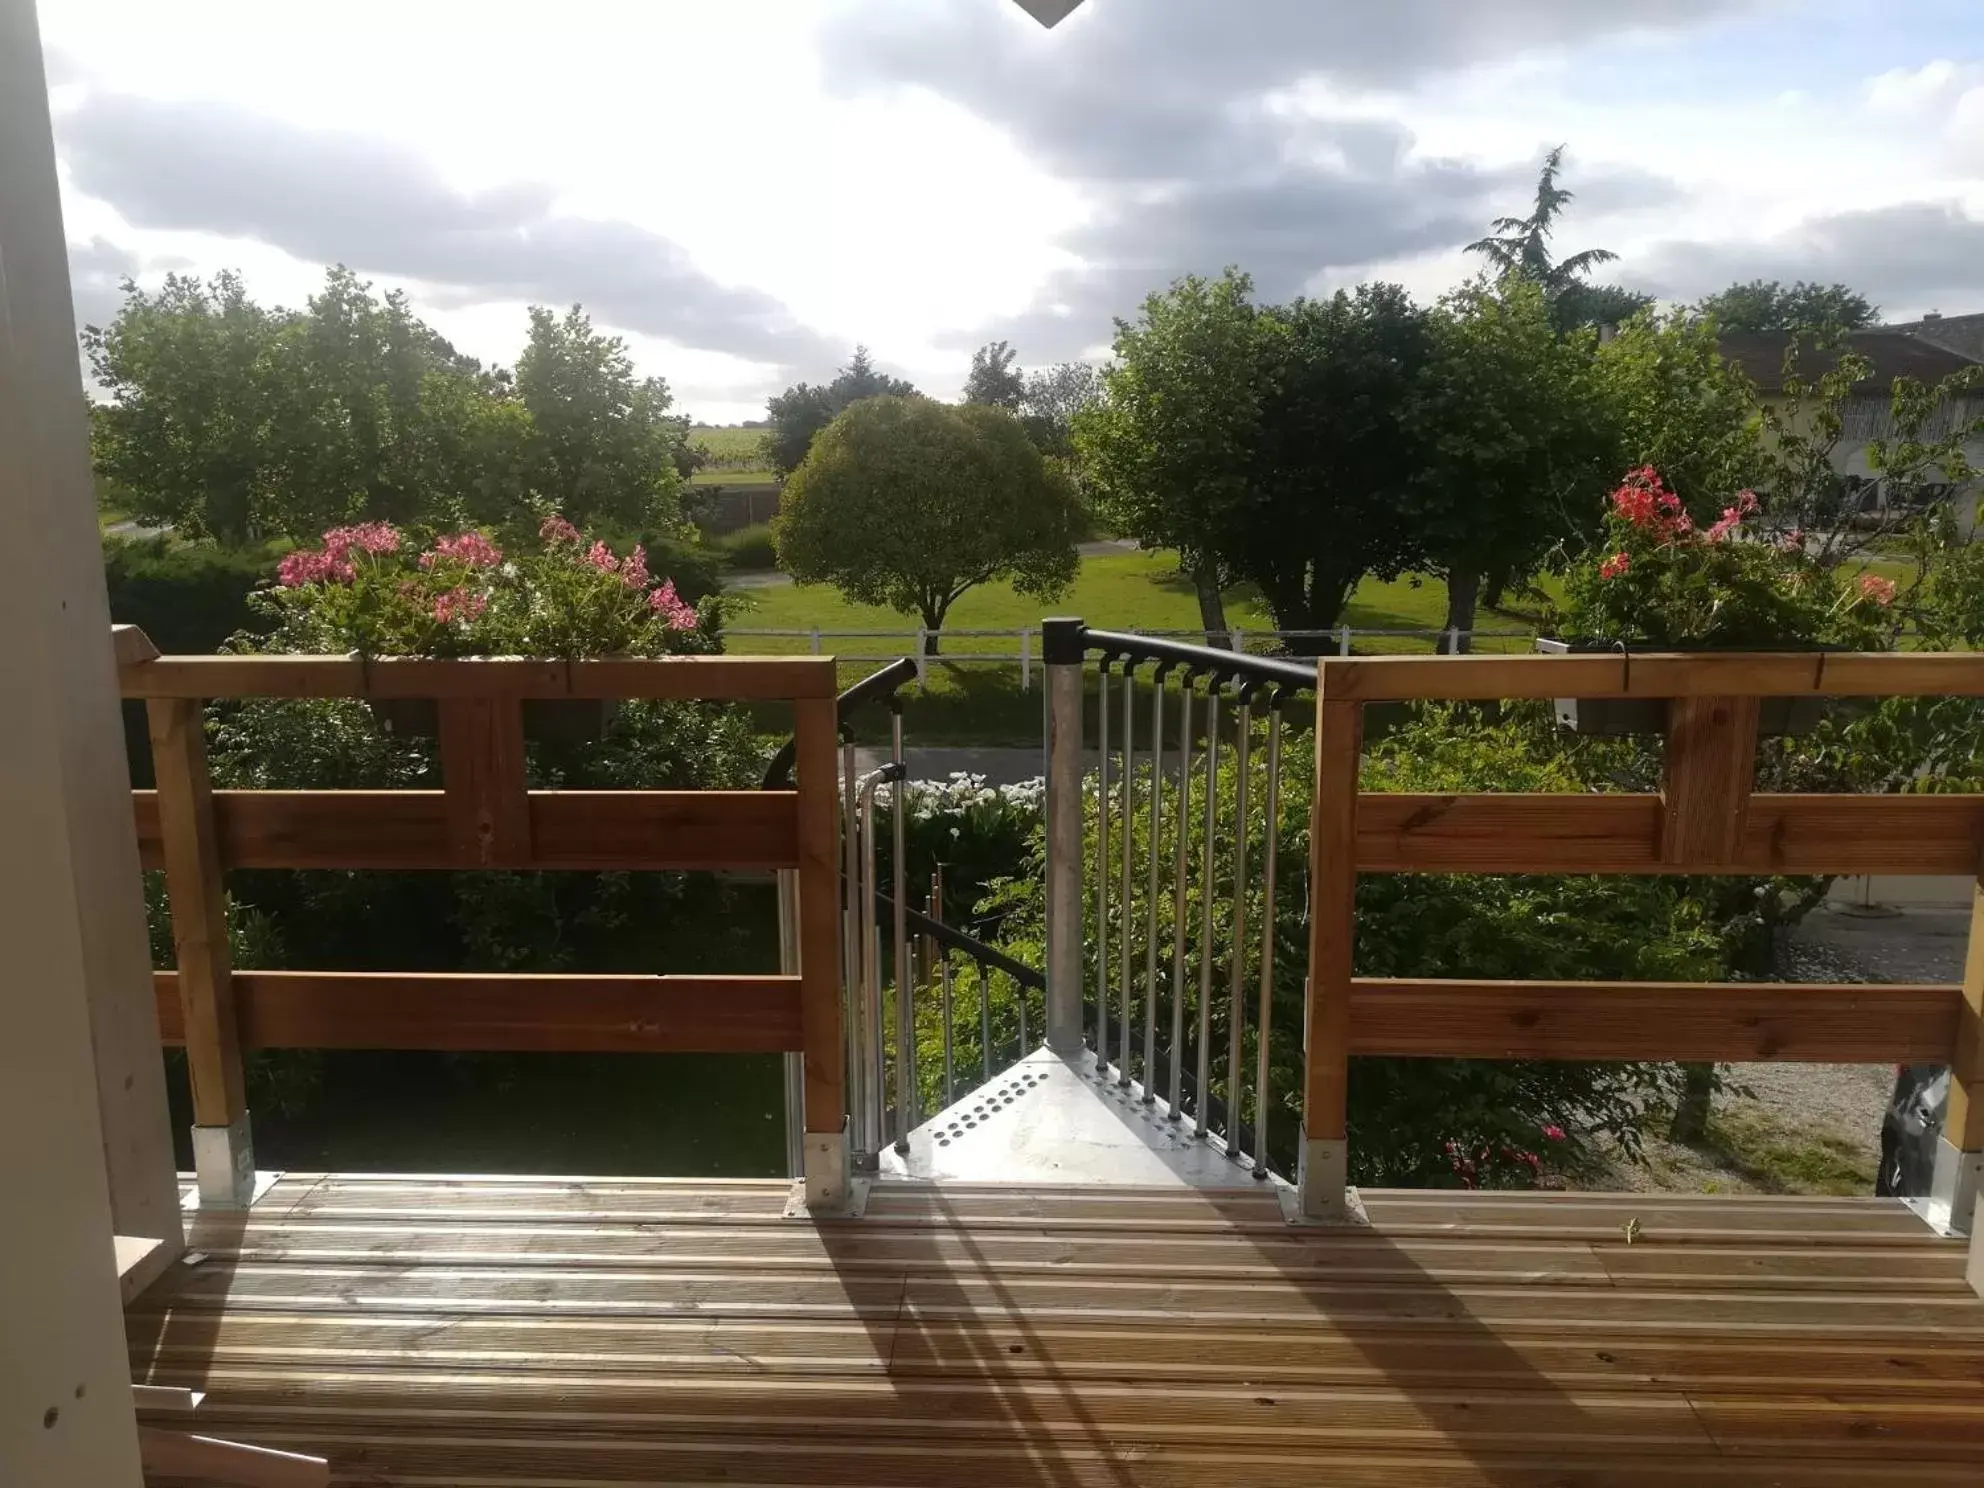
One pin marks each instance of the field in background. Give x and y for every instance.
(736, 456)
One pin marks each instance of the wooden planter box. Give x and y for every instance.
(1614, 718)
(547, 720)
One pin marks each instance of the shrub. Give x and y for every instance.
(748, 549)
(187, 596)
(979, 833)
(1658, 580)
(366, 590)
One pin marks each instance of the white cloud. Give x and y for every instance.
(743, 186)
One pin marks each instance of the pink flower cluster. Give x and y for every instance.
(1617, 564)
(1644, 500)
(1732, 516)
(333, 563)
(557, 530)
(1879, 590)
(471, 549)
(678, 612)
(459, 604)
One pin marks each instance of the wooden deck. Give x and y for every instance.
(578, 1332)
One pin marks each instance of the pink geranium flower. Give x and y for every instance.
(1881, 591)
(634, 568)
(557, 530)
(366, 537)
(459, 604)
(1617, 564)
(671, 607)
(469, 548)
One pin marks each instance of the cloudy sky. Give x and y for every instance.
(744, 188)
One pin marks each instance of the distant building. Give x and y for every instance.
(1927, 350)
(1962, 334)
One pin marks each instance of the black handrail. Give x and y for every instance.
(956, 940)
(1069, 640)
(872, 688)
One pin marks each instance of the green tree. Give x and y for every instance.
(229, 421)
(910, 503)
(183, 437)
(1513, 441)
(1674, 403)
(1054, 396)
(804, 409)
(1521, 245)
(1768, 305)
(1333, 464)
(993, 378)
(1166, 450)
(604, 444)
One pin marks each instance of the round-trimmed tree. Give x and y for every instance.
(909, 503)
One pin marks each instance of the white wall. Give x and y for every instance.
(70, 905)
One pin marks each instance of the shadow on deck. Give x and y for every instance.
(580, 1331)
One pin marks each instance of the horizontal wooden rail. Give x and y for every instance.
(1736, 1021)
(712, 678)
(491, 1013)
(1654, 675)
(583, 830)
(1516, 833)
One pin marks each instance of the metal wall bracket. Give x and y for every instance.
(1955, 1187)
(1322, 1194)
(224, 1164)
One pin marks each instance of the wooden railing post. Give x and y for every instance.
(815, 733)
(1707, 776)
(223, 1157)
(1323, 1164)
(482, 773)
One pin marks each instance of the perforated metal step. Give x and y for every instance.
(1050, 1120)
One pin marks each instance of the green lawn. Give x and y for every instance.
(1118, 590)
(984, 703)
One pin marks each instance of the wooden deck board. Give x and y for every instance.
(513, 1331)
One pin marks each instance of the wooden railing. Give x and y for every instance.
(484, 817)
(1707, 819)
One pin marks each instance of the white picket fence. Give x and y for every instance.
(1025, 651)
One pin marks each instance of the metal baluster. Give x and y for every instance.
(1236, 1013)
(1021, 989)
(905, 989)
(871, 982)
(850, 941)
(1102, 872)
(944, 978)
(1156, 823)
(1201, 1102)
(1180, 849)
(1264, 1018)
(985, 1021)
(1125, 919)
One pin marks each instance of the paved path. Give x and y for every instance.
(771, 578)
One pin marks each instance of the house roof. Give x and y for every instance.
(1894, 354)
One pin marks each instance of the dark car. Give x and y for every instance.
(1910, 1130)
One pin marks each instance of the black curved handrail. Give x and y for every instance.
(1247, 672)
(954, 939)
(873, 688)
